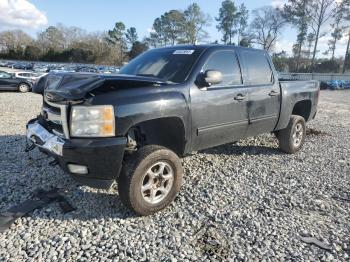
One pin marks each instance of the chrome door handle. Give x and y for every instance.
(239, 97)
(273, 93)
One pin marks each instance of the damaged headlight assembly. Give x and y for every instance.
(92, 121)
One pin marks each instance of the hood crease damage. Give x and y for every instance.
(68, 86)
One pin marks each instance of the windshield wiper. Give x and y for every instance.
(158, 79)
(147, 75)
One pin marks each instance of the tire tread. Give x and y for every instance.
(284, 135)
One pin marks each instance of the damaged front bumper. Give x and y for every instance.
(101, 157)
(43, 139)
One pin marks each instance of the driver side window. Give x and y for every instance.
(226, 62)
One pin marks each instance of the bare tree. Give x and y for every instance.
(243, 15)
(346, 6)
(320, 13)
(346, 53)
(337, 32)
(14, 40)
(297, 13)
(267, 26)
(228, 19)
(71, 34)
(52, 38)
(159, 35)
(310, 40)
(173, 22)
(194, 23)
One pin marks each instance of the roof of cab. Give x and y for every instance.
(207, 46)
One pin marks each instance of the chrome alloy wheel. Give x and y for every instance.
(298, 134)
(23, 88)
(157, 182)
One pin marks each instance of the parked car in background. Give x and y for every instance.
(9, 64)
(11, 82)
(29, 75)
(23, 66)
(42, 68)
(86, 69)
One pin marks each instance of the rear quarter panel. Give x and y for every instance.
(293, 92)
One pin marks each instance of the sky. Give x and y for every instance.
(33, 16)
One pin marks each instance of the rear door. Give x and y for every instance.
(219, 113)
(264, 95)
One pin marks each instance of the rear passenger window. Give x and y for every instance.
(258, 68)
(225, 62)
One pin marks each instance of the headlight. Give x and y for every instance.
(92, 121)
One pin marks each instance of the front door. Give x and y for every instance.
(6, 81)
(219, 112)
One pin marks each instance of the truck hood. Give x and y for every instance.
(59, 87)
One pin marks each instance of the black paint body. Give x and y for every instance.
(205, 117)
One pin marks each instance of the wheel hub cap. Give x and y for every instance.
(157, 182)
(298, 134)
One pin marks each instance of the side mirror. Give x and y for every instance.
(213, 77)
(209, 78)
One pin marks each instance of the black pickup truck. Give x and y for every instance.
(133, 127)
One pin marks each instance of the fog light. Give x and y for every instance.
(77, 169)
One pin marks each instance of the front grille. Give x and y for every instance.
(57, 129)
(54, 118)
(55, 110)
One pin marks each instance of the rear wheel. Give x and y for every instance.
(150, 179)
(23, 88)
(291, 139)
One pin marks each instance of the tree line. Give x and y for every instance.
(312, 19)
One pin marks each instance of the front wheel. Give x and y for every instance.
(291, 139)
(23, 88)
(150, 179)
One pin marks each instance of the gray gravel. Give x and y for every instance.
(241, 202)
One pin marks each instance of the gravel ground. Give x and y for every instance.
(241, 202)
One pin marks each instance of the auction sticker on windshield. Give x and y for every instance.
(183, 52)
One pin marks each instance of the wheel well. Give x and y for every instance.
(302, 108)
(168, 132)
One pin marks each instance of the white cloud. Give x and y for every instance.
(284, 45)
(278, 3)
(20, 14)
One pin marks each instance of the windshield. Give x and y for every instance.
(166, 64)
